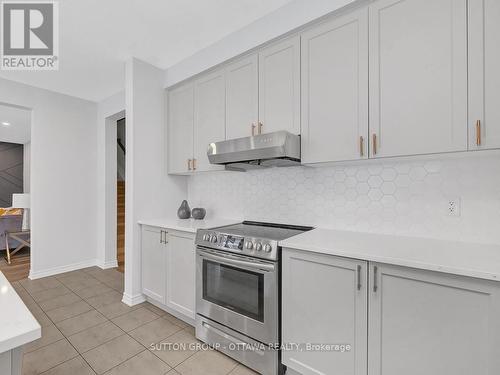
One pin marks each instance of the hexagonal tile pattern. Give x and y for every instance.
(392, 196)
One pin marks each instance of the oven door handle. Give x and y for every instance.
(236, 262)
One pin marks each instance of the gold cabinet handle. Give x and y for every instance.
(189, 164)
(374, 139)
(253, 129)
(260, 127)
(361, 146)
(194, 164)
(478, 133)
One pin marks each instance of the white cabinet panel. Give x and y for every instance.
(180, 128)
(418, 76)
(324, 301)
(153, 263)
(210, 120)
(335, 90)
(424, 322)
(279, 87)
(181, 273)
(241, 97)
(484, 74)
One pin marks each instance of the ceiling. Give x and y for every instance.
(19, 128)
(96, 37)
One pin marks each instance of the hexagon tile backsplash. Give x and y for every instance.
(405, 197)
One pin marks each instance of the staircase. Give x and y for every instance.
(120, 241)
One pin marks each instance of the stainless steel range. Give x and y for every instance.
(238, 291)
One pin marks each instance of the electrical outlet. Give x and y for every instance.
(454, 206)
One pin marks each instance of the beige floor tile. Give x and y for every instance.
(82, 283)
(26, 297)
(46, 294)
(242, 370)
(154, 331)
(115, 284)
(174, 355)
(135, 319)
(47, 357)
(94, 290)
(207, 362)
(39, 315)
(154, 309)
(172, 372)
(116, 309)
(75, 366)
(144, 363)
(112, 353)
(105, 299)
(66, 312)
(175, 320)
(50, 334)
(60, 301)
(33, 286)
(81, 322)
(95, 336)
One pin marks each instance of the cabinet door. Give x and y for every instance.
(279, 87)
(180, 126)
(484, 74)
(181, 273)
(153, 263)
(418, 77)
(423, 322)
(324, 302)
(241, 97)
(335, 90)
(210, 120)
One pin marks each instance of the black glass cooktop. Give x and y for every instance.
(270, 231)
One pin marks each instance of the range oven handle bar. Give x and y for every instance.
(237, 262)
(234, 340)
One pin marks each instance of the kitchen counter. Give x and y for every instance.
(18, 326)
(460, 258)
(187, 225)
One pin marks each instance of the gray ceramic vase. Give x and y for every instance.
(199, 213)
(184, 212)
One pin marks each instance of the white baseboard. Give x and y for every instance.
(108, 264)
(61, 269)
(133, 300)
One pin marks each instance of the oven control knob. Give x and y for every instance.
(267, 248)
(258, 246)
(249, 245)
(213, 239)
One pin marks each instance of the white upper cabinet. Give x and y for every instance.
(180, 129)
(335, 90)
(242, 97)
(279, 87)
(418, 77)
(484, 74)
(210, 118)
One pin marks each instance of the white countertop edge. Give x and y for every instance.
(187, 225)
(400, 262)
(21, 340)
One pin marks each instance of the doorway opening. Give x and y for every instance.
(120, 193)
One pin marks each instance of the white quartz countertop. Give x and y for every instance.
(188, 225)
(17, 324)
(460, 258)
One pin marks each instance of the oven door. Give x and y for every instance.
(238, 292)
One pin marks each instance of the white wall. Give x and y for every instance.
(27, 167)
(109, 111)
(63, 177)
(150, 191)
(283, 20)
(398, 196)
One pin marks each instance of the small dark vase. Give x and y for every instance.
(199, 213)
(184, 212)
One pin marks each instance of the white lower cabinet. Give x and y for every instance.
(181, 273)
(169, 270)
(324, 301)
(154, 249)
(404, 320)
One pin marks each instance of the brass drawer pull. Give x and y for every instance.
(478, 133)
(189, 164)
(194, 164)
(253, 129)
(260, 127)
(374, 138)
(361, 146)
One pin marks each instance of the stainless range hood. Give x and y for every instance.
(278, 149)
